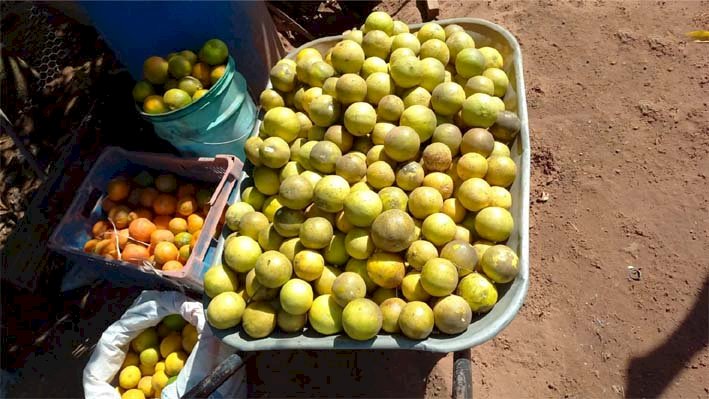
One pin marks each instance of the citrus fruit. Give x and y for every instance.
(441, 182)
(472, 165)
(474, 194)
(241, 253)
(420, 118)
(323, 284)
(452, 314)
(225, 310)
(324, 155)
(392, 230)
(295, 192)
(478, 292)
(390, 108)
(146, 386)
(270, 99)
(353, 34)
(386, 269)
(340, 136)
(447, 98)
(270, 206)
(348, 286)
(380, 175)
(296, 297)
(362, 207)
(412, 289)
(438, 228)
(372, 65)
(424, 201)
(142, 90)
(501, 171)
(350, 168)
(399, 27)
(342, 223)
(325, 315)
(159, 380)
(431, 30)
(500, 149)
(432, 73)
(436, 157)
(330, 193)
(361, 319)
(259, 319)
(359, 266)
(155, 70)
(171, 343)
(202, 72)
(493, 58)
(252, 223)
(266, 180)
(439, 277)
(479, 84)
(287, 221)
(500, 264)
(273, 269)
(291, 323)
(506, 127)
(380, 131)
(269, 239)
(393, 198)
(330, 84)
(235, 212)
(176, 98)
(281, 122)
(469, 62)
(458, 41)
(179, 67)
(347, 57)
(419, 253)
(391, 309)
(315, 233)
(308, 53)
(494, 224)
(409, 176)
(416, 320)
(360, 118)
(129, 377)
(462, 255)
(219, 279)
(350, 88)
(214, 52)
(376, 43)
(318, 72)
(379, 84)
(499, 79)
(379, 20)
(406, 41)
(256, 291)
(283, 77)
(479, 110)
(435, 48)
(154, 104)
(335, 252)
(401, 143)
(381, 294)
(406, 71)
(478, 140)
(358, 243)
(500, 197)
(377, 153)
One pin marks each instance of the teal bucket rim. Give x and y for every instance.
(178, 113)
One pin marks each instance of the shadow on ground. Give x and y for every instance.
(650, 375)
(392, 374)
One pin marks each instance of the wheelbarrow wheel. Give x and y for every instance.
(462, 375)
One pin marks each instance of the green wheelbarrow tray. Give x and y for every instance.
(511, 296)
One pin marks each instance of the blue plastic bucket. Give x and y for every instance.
(218, 123)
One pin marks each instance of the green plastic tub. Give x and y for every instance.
(218, 123)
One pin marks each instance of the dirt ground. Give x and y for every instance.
(619, 114)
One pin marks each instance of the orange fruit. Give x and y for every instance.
(177, 225)
(184, 253)
(166, 183)
(147, 197)
(165, 252)
(217, 73)
(172, 266)
(194, 223)
(90, 245)
(159, 236)
(154, 104)
(118, 189)
(120, 215)
(186, 190)
(186, 206)
(165, 204)
(141, 229)
(107, 204)
(100, 228)
(162, 221)
(134, 253)
(141, 213)
(123, 236)
(202, 72)
(195, 238)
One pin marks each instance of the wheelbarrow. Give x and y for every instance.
(484, 326)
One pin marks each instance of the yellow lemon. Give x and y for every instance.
(133, 394)
(159, 381)
(175, 362)
(149, 357)
(129, 377)
(171, 343)
(146, 385)
(189, 337)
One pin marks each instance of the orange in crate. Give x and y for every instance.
(165, 204)
(148, 196)
(165, 252)
(135, 253)
(177, 225)
(118, 189)
(141, 229)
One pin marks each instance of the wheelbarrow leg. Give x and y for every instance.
(462, 375)
(212, 382)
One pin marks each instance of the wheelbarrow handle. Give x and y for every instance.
(212, 382)
(462, 375)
